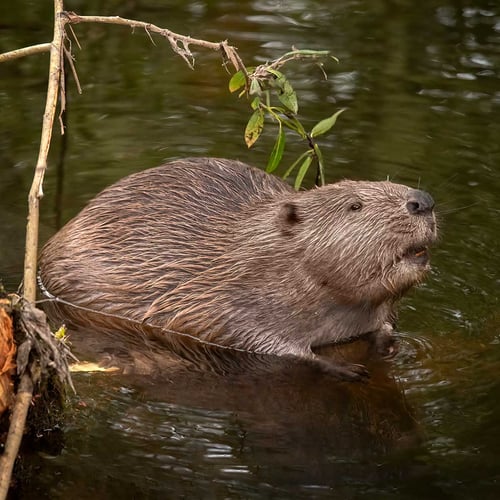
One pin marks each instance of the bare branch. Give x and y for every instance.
(71, 62)
(75, 19)
(36, 192)
(62, 96)
(229, 53)
(26, 51)
(74, 36)
(179, 43)
(150, 37)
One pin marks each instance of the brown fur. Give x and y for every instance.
(228, 254)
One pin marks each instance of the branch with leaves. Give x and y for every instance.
(259, 84)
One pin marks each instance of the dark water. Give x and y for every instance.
(421, 84)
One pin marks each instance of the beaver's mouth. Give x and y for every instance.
(418, 255)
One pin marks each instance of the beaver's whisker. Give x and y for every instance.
(459, 209)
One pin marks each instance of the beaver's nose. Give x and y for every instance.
(419, 202)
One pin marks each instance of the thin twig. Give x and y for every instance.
(74, 36)
(62, 95)
(25, 51)
(16, 431)
(71, 62)
(150, 37)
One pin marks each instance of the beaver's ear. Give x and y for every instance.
(288, 217)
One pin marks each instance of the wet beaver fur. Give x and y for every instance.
(219, 251)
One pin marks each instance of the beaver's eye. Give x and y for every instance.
(355, 207)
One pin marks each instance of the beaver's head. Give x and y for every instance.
(364, 241)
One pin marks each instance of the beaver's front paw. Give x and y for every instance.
(385, 344)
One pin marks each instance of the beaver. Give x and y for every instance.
(218, 252)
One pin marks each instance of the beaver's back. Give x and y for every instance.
(168, 222)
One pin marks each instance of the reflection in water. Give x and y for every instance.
(248, 420)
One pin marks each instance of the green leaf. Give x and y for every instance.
(255, 88)
(275, 72)
(302, 172)
(237, 81)
(254, 127)
(279, 78)
(277, 152)
(255, 103)
(294, 124)
(285, 91)
(325, 125)
(289, 98)
(295, 163)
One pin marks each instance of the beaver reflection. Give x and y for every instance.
(221, 252)
(283, 403)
